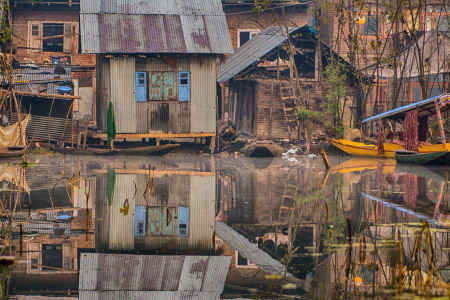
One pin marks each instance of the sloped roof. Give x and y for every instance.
(118, 276)
(252, 51)
(168, 26)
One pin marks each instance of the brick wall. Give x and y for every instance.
(21, 27)
(243, 17)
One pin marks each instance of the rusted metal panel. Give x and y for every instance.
(203, 92)
(202, 212)
(132, 273)
(142, 117)
(123, 93)
(158, 116)
(120, 218)
(155, 295)
(172, 26)
(103, 91)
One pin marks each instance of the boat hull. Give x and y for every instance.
(145, 150)
(441, 157)
(370, 150)
(5, 153)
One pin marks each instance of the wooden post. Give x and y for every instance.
(325, 158)
(441, 125)
(212, 145)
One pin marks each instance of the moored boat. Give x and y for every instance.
(415, 117)
(143, 150)
(412, 157)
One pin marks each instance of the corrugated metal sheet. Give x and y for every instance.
(184, 276)
(203, 94)
(123, 93)
(103, 91)
(173, 26)
(139, 7)
(249, 250)
(252, 51)
(132, 295)
(41, 128)
(122, 225)
(202, 212)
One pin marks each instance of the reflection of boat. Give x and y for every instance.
(413, 157)
(415, 118)
(361, 149)
(360, 164)
(144, 150)
(419, 171)
(13, 139)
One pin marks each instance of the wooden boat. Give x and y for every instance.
(425, 108)
(12, 152)
(412, 157)
(143, 150)
(361, 149)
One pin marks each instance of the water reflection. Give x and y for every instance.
(86, 227)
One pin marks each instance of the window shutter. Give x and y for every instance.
(169, 86)
(183, 221)
(35, 36)
(141, 86)
(155, 86)
(184, 87)
(68, 38)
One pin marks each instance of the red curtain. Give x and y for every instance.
(411, 131)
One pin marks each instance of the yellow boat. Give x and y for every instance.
(361, 149)
(425, 107)
(358, 164)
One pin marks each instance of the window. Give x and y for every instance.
(141, 86)
(245, 35)
(52, 256)
(35, 29)
(370, 27)
(163, 86)
(53, 37)
(435, 91)
(184, 89)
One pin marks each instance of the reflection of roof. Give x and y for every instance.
(425, 108)
(114, 276)
(248, 249)
(168, 26)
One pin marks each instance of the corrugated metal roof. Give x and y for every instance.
(252, 51)
(177, 274)
(170, 26)
(133, 295)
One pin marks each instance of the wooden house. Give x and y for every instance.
(157, 64)
(259, 90)
(170, 211)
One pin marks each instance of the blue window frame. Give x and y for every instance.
(184, 87)
(141, 86)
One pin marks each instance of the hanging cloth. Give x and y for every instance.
(423, 129)
(110, 124)
(412, 131)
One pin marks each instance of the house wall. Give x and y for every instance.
(117, 82)
(23, 17)
(243, 17)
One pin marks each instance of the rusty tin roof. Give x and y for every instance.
(152, 274)
(169, 26)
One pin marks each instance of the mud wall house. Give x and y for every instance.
(48, 33)
(157, 64)
(163, 213)
(245, 20)
(257, 91)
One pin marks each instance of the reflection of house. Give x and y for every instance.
(162, 85)
(53, 225)
(164, 212)
(109, 276)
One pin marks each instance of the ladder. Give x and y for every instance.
(289, 106)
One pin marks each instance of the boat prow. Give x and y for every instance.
(361, 149)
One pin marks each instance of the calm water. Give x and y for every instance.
(208, 227)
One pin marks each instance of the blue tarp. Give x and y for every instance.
(397, 112)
